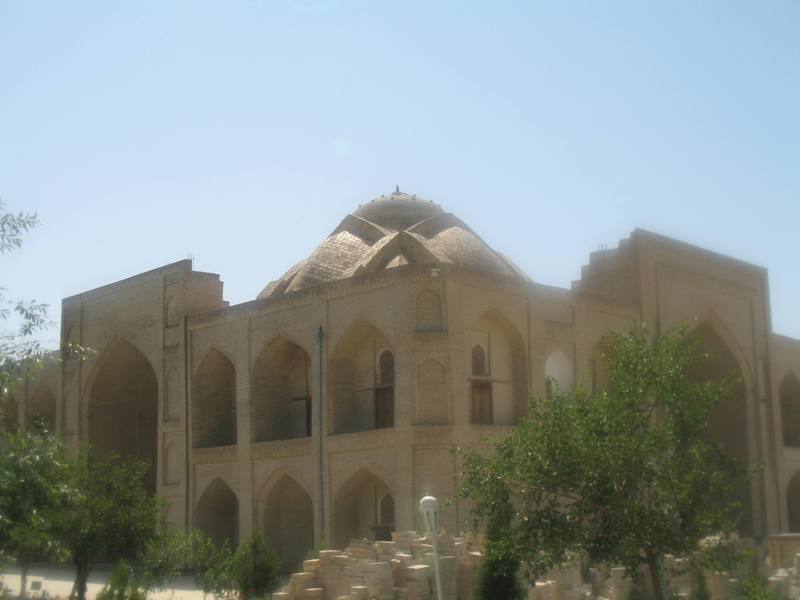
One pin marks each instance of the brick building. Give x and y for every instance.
(329, 404)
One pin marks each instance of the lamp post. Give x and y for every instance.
(429, 507)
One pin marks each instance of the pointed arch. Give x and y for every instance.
(359, 398)
(429, 312)
(357, 510)
(432, 406)
(559, 369)
(286, 516)
(42, 407)
(214, 402)
(122, 410)
(499, 397)
(280, 404)
(729, 421)
(217, 513)
(789, 393)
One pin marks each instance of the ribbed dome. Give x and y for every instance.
(398, 211)
(392, 231)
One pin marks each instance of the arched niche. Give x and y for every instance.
(288, 521)
(217, 513)
(498, 371)
(429, 312)
(357, 510)
(362, 380)
(728, 423)
(558, 369)
(432, 407)
(281, 392)
(123, 406)
(214, 402)
(790, 410)
(41, 407)
(793, 502)
(172, 466)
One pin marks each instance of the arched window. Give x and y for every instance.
(386, 368)
(384, 392)
(479, 367)
(387, 511)
(429, 312)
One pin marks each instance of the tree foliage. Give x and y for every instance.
(111, 516)
(498, 574)
(625, 475)
(19, 347)
(249, 572)
(34, 488)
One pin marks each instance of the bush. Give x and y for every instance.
(497, 577)
(255, 568)
(122, 585)
(249, 572)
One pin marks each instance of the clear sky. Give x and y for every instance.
(242, 132)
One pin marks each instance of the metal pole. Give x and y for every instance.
(436, 569)
(320, 469)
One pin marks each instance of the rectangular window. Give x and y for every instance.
(482, 403)
(384, 407)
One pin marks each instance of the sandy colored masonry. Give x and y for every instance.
(329, 404)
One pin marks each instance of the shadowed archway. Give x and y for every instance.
(217, 513)
(357, 510)
(214, 402)
(728, 425)
(280, 393)
(497, 362)
(288, 519)
(362, 380)
(123, 406)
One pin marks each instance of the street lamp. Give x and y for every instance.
(429, 507)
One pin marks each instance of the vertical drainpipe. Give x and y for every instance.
(320, 404)
(186, 428)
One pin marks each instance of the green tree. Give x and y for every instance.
(498, 575)
(255, 568)
(625, 475)
(111, 517)
(20, 349)
(249, 572)
(34, 487)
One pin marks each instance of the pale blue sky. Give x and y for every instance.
(242, 132)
